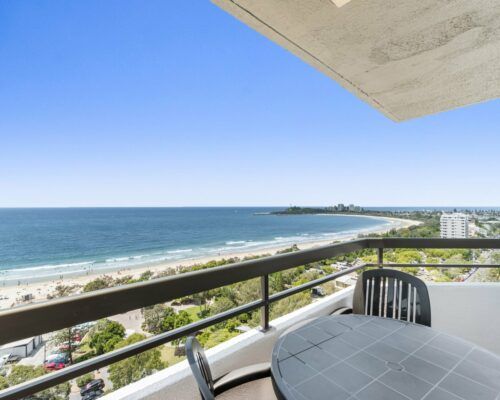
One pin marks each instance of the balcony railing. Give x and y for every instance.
(25, 321)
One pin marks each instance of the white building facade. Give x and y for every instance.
(454, 226)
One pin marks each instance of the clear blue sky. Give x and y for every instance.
(159, 103)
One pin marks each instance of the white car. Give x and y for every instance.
(9, 358)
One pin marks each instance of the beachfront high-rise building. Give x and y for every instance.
(454, 225)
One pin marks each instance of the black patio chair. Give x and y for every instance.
(392, 294)
(251, 382)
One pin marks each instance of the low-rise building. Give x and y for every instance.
(22, 348)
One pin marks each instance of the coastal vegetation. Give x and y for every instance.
(136, 367)
(23, 373)
(105, 336)
(84, 379)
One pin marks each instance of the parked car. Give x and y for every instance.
(92, 386)
(9, 359)
(56, 361)
(318, 291)
(63, 347)
(93, 395)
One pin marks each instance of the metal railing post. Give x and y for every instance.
(380, 257)
(264, 310)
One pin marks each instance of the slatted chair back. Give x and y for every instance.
(201, 369)
(392, 294)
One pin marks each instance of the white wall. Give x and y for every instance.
(468, 310)
(17, 351)
(22, 350)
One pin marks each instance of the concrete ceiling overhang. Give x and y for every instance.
(407, 58)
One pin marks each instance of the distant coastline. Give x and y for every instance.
(348, 211)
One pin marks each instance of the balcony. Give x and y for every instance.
(466, 310)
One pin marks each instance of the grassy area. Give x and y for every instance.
(193, 312)
(168, 355)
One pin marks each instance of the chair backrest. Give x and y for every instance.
(200, 368)
(392, 294)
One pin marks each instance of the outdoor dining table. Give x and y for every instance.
(361, 357)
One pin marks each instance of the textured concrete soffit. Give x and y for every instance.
(406, 58)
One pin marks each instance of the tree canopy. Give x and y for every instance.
(23, 373)
(136, 367)
(106, 335)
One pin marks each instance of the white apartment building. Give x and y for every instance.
(454, 225)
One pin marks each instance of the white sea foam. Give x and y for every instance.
(117, 259)
(180, 251)
(48, 267)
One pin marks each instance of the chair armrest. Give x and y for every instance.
(241, 376)
(342, 310)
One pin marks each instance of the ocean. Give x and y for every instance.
(49, 242)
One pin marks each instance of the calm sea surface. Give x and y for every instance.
(48, 242)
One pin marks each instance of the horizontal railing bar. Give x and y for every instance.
(316, 282)
(389, 265)
(31, 320)
(73, 371)
(433, 243)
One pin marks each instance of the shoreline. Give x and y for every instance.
(10, 294)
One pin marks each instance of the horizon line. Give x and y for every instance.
(250, 206)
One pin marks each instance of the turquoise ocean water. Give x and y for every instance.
(46, 243)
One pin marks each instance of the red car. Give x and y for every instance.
(56, 362)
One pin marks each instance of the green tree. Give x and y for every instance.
(64, 290)
(99, 283)
(412, 270)
(494, 274)
(247, 291)
(23, 373)
(84, 379)
(153, 318)
(146, 275)
(202, 300)
(65, 336)
(203, 337)
(3, 383)
(174, 320)
(106, 335)
(222, 304)
(161, 318)
(290, 304)
(136, 367)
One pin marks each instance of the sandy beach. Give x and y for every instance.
(11, 296)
